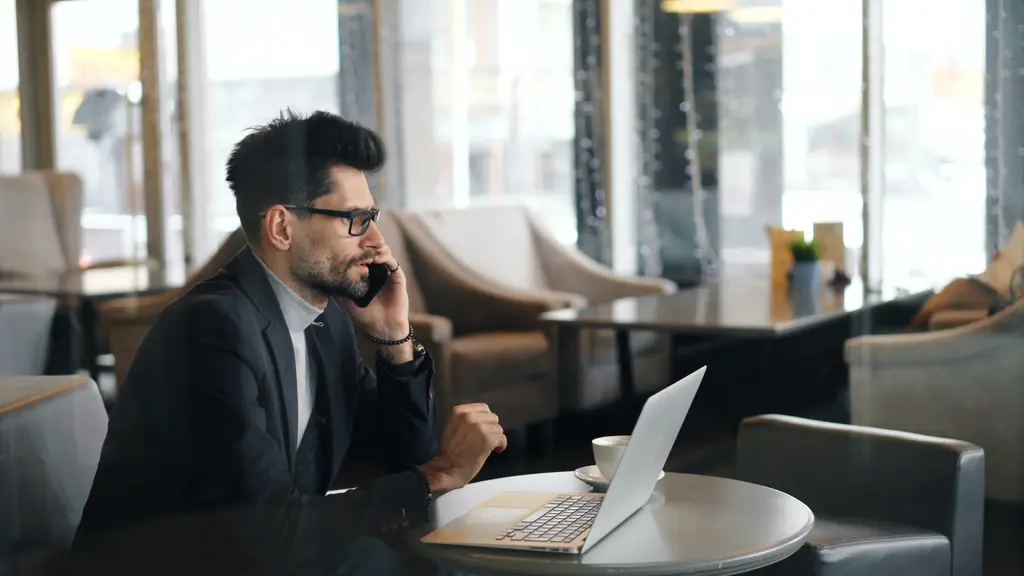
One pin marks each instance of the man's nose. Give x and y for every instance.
(373, 236)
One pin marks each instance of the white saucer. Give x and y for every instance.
(591, 475)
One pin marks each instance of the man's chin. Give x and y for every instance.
(350, 290)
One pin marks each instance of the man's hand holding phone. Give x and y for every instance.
(386, 316)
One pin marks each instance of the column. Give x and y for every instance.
(193, 142)
(1004, 125)
(621, 153)
(35, 62)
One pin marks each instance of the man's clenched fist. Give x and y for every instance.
(469, 437)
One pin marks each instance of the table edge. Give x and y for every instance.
(760, 559)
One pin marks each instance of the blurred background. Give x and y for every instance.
(821, 200)
(520, 101)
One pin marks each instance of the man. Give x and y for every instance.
(248, 393)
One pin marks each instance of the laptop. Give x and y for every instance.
(572, 523)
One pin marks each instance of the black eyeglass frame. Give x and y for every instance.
(349, 215)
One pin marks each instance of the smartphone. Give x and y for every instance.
(379, 276)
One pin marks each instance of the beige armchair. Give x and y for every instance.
(487, 344)
(519, 259)
(965, 382)
(43, 210)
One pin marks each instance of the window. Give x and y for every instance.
(10, 120)
(98, 121)
(481, 105)
(933, 202)
(777, 105)
(821, 109)
(281, 54)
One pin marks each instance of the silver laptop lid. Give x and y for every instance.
(653, 436)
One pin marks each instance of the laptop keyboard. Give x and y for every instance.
(560, 520)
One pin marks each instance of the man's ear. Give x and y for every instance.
(277, 228)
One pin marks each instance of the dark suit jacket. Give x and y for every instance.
(206, 418)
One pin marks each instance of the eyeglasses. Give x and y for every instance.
(358, 220)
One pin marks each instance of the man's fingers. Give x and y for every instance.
(385, 257)
(496, 437)
(474, 407)
(482, 417)
(502, 444)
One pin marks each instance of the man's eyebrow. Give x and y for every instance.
(354, 207)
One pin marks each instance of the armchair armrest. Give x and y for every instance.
(856, 471)
(573, 271)
(431, 328)
(475, 305)
(136, 309)
(955, 318)
(126, 321)
(121, 263)
(917, 348)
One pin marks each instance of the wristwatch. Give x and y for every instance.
(418, 351)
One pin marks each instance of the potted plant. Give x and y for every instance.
(806, 272)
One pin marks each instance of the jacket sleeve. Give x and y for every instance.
(396, 414)
(242, 470)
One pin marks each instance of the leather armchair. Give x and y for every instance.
(885, 502)
(962, 382)
(487, 344)
(508, 248)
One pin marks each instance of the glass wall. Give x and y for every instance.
(776, 101)
(281, 54)
(10, 122)
(933, 203)
(821, 106)
(485, 111)
(477, 101)
(98, 120)
(99, 124)
(666, 140)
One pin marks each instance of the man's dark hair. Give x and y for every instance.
(288, 161)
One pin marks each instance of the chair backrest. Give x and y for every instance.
(66, 201)
(48, 238)
(51, 432)
(231, 246)
(497, 242)
(846, 471)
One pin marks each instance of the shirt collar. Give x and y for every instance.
(298, 313)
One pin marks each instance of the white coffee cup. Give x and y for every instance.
(608, 451)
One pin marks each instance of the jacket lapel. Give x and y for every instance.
(254, 282)
(323, 345)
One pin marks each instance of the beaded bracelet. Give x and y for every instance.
(390, 342)
(427, 494)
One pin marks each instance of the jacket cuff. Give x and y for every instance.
(409, 369)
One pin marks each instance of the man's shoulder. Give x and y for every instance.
(216, 307)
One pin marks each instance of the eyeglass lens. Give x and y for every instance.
(361, 222)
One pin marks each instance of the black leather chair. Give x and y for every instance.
(885, 502)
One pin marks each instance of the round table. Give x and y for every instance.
(691, 525)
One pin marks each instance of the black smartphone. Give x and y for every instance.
(378, 279)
